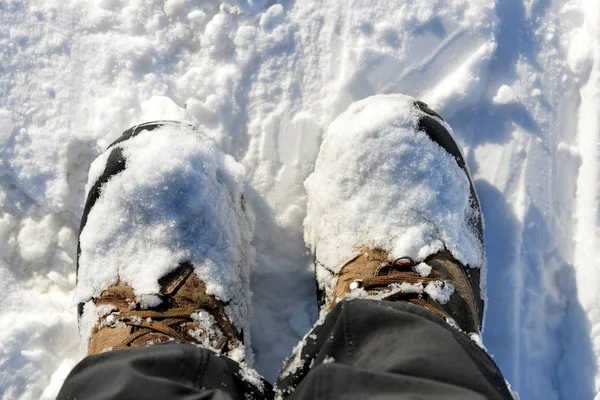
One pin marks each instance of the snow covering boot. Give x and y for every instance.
(164, 246)
(393, 214)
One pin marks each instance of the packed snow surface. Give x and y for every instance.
(518, 81)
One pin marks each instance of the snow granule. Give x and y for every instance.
(271, 17)
(207, 334)
(203, 319)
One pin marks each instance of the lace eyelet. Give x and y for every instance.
(404, 261)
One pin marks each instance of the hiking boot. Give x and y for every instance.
(393, 215)
(164, 246)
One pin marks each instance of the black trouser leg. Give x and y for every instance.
(364, 349)
(378, 350)
(168, 371)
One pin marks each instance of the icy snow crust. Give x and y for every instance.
(178, 200)
(381, 183)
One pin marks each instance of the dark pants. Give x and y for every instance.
(364, 349)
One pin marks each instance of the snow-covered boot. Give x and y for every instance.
(393, 214)
(164, 246)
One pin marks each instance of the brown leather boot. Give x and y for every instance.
(165, 245)
(440, 283)
(186, 314)
(393, 214)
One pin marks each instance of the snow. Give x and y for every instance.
(439, 291)
(249, 374)
(265, 81)
(381, 183)
(505, 95)
(197, 16)
(423, 269)
(178, 200)
(187, 196)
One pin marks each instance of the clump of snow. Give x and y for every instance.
(328, 360)
(439, 291)
(178, 200)
(478, 340)
(218, 33)
(394, 288)
(505, 95)
(249, 374)
(241, 353)
(207, 334)
(272, 17)
(149, 301)
(423, 269)
(174, 8)
(381, 183)
(197, 16)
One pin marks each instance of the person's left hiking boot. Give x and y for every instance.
(393, 214)
(164, 247)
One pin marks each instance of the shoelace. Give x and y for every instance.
(150, 321)
(400, 271)
(156, 322)
(166, 322)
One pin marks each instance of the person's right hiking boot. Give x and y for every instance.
(393, 214)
